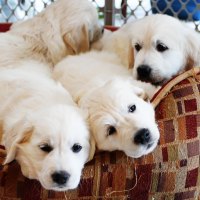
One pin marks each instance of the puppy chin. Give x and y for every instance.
(158, 82)
(143, 150)
(155, 80)
(54, 187)
(133, 155)
(151, 148)
(59, 188)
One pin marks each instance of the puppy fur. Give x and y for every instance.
(42, 126)
(157, 47)
(106, 91)
(64, 28)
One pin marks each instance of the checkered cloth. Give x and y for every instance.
(172, 171)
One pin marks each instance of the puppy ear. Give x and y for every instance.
(120, 43)
(84, 104)
(15, 136)
(141, 94)
(92, 148)
(78, 40)
(124, 50)
(130, 56)
(144, 96)
(144, 90)
(192, 49)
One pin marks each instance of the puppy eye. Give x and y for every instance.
(111, 130)
(76, 148)
(161, 47)
(137, 47)
(131, 108)
(46, 148)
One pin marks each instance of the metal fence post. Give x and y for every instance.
(109, 12)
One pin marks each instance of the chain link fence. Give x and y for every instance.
(111, 12)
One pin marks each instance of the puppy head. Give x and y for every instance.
(85, 28)
(68, 28)
(51, 146)
(122, 119)
(80, 40)
(163, 49)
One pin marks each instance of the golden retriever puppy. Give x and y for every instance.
(165, 48)
(157, 47)
(64, 28)
(119, 114)
(42, 127)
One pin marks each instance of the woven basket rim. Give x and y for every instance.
(170, 84)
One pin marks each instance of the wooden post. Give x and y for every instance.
(109, 12)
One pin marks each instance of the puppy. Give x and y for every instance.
(119, 114)
(64, 28)
(163, 47)
(157, 47)
(42, 127)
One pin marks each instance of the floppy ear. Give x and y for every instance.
(144, 90)
(130, 56)
(192, 49)
(77, 41)
(14, 137)
(83, 104)
(144, 96)
(92, 148)
(124, 50)
(1, 130)
(120, 43)
(141, 93)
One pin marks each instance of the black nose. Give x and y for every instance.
(60, 177)
(142, 136)
(102, 31)
(144, 72)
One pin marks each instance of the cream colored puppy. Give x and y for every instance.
(119, 114)
(157, 47)
(163, 47)
(64, 28)
(42, 127)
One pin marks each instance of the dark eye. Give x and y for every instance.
(161, 47)
(46, 148)
(131, 108)
(137, 47)
(111, 130)
(76, 148)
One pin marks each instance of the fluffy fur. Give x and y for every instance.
(141, 45)
(105, 89)
(41, 126)
(64, 28)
